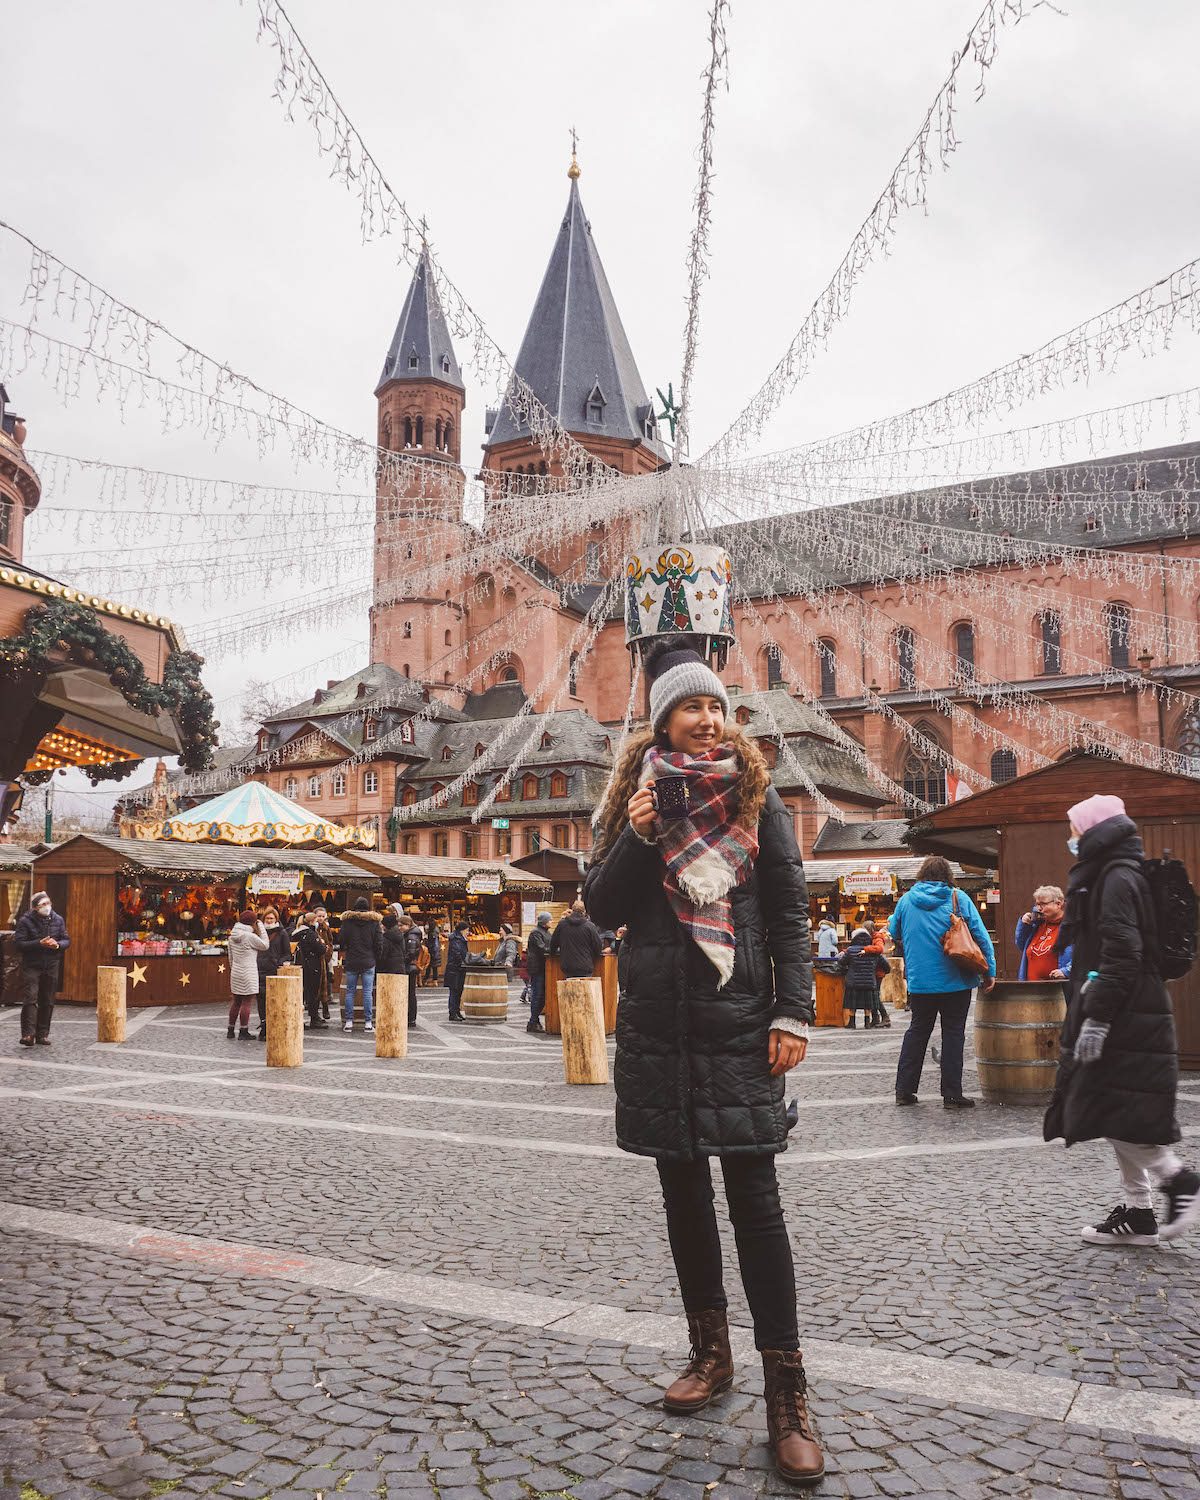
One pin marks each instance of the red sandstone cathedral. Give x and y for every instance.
(421, 696)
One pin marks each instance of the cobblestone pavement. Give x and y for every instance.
(438, 1277)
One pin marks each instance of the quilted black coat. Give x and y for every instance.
(692, 1075)
(1129, 1093)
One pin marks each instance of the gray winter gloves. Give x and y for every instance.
(1090, 1042)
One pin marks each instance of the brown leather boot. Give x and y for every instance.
(798, 1458)
(710, 1369)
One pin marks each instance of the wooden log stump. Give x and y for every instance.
(110, 1003)
(285, 1021)
(581, 1013)
(391, 1015)
(286, 969)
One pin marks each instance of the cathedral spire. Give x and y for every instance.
(421, 347)
(575, 355)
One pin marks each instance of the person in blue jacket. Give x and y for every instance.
(1037, 937)
(936, 984)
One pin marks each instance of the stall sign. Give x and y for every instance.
(993, 898)
(867, 883)
(485, 883)
(276, 882)
(528, 913)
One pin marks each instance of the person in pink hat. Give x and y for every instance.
(1118, 1063)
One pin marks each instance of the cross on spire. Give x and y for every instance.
(573, 169)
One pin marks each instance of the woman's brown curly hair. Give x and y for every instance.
(750, 790)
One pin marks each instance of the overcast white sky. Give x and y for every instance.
(144, 147)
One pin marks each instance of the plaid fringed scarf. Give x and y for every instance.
(707, 853)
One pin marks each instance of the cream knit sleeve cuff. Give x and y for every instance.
(793, 1028)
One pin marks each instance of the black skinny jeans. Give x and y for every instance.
(763, 1248)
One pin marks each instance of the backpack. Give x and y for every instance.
(1173, 907)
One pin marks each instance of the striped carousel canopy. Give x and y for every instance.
(254, 814)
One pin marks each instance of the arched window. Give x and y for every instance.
(774, 666)
(314, 786)
(503, 792)
(385, 431)
(470, 795)
(1004, 766)
(529, 789)
(408, 844)
(448, 639)
(470, 844)
(408, 432)
(1117, 628)
(445, 677)
(446, 431)
(408, 796)
(572, 675)
(441, 844)
(290, 787)
(339, 784)
(531, 839)
(406, 669)
(561, 836)
(509, 675)
(827, 654)
(964, 654)
(437, 434)
(905, 646)
(924, 779)
(1187, 739)
(1051, 644)
(408, 630)
(558, 785)
(420, 435)
(768, 752)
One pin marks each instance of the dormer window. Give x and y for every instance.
(264, 739)
(558, 785)
(596, 404)
(529, 789)
(406, 731)
(470, 795)
(478, 751)
(446, 752)
(414, 361)
(742, 716)
(503, 791)
(445, 364)
(369, 730)
(546, 741)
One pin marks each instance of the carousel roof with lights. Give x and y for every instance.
(254, 814)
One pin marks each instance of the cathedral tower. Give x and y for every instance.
(576, 358)
(416, 621)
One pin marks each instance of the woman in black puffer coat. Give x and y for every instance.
(1118, 1064)
(709, 1021)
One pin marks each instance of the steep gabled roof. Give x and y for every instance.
(421, 347)
(575, 346)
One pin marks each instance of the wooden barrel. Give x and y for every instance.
(1016, 1040)
(485, 995)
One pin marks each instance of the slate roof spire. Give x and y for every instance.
(421, 347)
(575, 355)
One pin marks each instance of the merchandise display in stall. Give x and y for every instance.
(164, 911)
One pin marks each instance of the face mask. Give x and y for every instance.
(42, 911)
(1073, 845)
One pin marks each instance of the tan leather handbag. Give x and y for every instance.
(959, 946)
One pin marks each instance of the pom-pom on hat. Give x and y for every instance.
(677, 673)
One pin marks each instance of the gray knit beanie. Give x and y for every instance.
(676, 673)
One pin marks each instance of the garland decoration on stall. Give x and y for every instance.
(75, 629)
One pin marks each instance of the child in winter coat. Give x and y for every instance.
(860, 963)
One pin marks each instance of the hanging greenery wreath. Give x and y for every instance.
(77, 630)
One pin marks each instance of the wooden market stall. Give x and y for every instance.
(1021, 827)
(441, 889)
(163, 910)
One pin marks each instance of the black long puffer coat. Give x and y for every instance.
(1129, 1093)
(692, 1075)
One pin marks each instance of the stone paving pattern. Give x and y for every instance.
(131, 1376)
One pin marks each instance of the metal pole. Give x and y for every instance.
(50, 810)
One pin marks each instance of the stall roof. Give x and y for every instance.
(970, 830)
(826, 871)
(15, 857)
(420, 870)
(201, 861)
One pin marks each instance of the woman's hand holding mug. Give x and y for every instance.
(642, 811)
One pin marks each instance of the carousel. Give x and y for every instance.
(250, 814)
